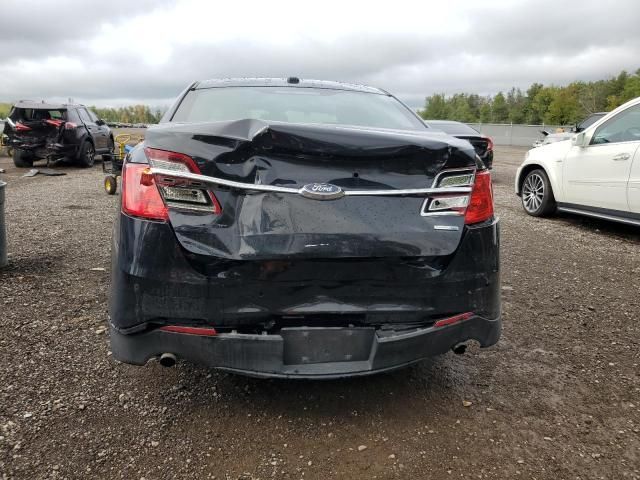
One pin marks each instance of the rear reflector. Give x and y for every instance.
(21, 127)
(443, 322)
(481, 203)
(70, 126)
(140, 196)
(202, 331)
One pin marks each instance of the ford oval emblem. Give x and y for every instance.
(321, 191)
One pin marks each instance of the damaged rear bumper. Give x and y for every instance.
(306, 352)
(45, 149)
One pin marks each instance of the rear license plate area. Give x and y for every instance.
(306, 345)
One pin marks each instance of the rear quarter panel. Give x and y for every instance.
(549, 158)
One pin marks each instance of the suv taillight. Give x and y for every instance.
(140, 195)
(489, 143)
(186, 196)
(21, 127)
(480, 206)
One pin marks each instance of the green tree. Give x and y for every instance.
(532, 115)
(485, 112)
(516, 104)
(436, 107)
(541, 102)
(460, 110)
(564, 108)
(499, 109)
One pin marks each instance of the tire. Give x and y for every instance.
(110, 184)
(22, 159)
(87, 156)
(537, 194)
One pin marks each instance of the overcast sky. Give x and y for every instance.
(118, 52)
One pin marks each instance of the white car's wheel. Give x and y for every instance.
(537, 195)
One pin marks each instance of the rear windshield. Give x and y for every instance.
(453, 128)
(31, 114)
(590, 120)
(296, 105)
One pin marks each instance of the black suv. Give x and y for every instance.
(53, 131)
(300, 228)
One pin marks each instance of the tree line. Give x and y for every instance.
(539, 104)
(129, 114)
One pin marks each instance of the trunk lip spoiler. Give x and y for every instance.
(161, 174)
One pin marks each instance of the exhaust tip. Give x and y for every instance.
(167, 360)
(460, 349)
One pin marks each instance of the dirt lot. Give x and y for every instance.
(557, 398)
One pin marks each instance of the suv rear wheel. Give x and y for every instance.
(87, 155)
(537, 195)
(22, 159)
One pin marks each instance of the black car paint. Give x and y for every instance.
(47, 141)
(476, 139)
(278, 274)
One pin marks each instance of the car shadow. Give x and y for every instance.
(604, 227)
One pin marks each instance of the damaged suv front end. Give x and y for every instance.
(304, 250)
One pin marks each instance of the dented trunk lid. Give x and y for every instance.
(258, 225)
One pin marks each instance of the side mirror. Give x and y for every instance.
(579, 140)
(100, 122)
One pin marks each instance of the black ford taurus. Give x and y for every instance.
(297, 228)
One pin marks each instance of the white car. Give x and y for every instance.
(595, 173)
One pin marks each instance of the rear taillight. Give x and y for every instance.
(54, 122)
(180, 194)
(480, 206)
(70, 126)
(140, 196)
(21, 127)
(489, 143)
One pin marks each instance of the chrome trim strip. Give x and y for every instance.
(410, 191)
(217, 182)
(603, 216)
(449, 213)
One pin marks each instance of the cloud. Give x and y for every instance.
(148, 51)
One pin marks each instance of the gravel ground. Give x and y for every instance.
(557, 398)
